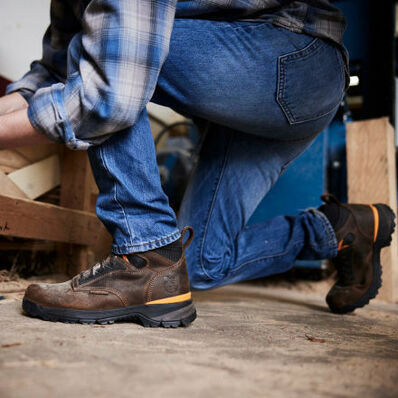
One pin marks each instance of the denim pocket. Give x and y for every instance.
(310, 82)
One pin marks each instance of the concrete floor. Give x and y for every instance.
(248, 341)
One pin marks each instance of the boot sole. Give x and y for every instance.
(384, 237)
(154, 315)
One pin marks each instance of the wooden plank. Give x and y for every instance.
(371, 176)
(7, 169)
(38, 178)
(35, 153)
(76, 193)
(93, 185)
(8, 188)
(31, 245)
(11, 158)
(36, 220)
(14, 159)
(75, 180)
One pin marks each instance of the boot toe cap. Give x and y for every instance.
(341, 299)
(46, 294)
(34, 292)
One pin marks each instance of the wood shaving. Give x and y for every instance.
(10, 345)
(314, 339)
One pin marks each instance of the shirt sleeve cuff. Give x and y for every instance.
(47, 114)
(36, 78)
(26, 93)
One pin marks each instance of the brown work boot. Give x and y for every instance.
(150, 287)
(361, 232)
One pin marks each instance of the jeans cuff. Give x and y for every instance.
(332, 241)
(145, 246)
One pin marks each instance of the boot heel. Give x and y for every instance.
(386, 225)
(167, 316)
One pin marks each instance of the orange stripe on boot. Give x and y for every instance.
(170, 300)
(376, 222)
(340, 245)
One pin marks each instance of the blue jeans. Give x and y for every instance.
(265, 93)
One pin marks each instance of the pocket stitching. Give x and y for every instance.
(298, 55)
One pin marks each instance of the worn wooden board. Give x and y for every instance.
(76, 193)
(14, 159)
(371, 176)
(75, 180)
(29, 245)
(35, 153)
(36, 220)
(7, 169)
(11, 158)
(38, 178)
(7, 187)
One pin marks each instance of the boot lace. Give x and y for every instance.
(102, 267)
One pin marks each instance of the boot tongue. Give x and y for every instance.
(111, 263)
(135, 260)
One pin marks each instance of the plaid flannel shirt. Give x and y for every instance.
(101, 58)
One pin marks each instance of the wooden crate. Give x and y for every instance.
(26, 175)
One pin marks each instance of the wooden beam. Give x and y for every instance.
(371, 176)
(30, 245)
(76, 191)
(36, 220)
(35, 153)
(38, 178)
(7, 169)
(11, 158)
(8, 188)
(74, 195)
